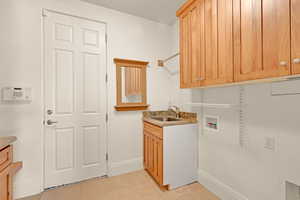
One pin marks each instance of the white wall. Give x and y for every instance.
(178, 96)
(21, 65)
(250, 172)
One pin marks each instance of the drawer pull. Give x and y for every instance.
(283, 64)
(296, 61)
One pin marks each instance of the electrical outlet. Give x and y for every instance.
(270, 143)
(292, 191)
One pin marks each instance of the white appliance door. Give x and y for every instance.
(75, 99)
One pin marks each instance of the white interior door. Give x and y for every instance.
(75, 99)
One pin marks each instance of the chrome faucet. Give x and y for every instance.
(176, 110)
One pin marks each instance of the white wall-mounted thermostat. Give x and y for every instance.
(16, 94)
(212, 123)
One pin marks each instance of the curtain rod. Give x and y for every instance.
(161, 63)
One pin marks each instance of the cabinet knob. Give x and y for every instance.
(200, 79)
(283, 63)
(296, 61)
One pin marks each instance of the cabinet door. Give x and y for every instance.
(218, 26)
(262, 39)
(197, 44)
(149, 155)
(185, 68)
(295, 36)
(153, 156)
(5, 185)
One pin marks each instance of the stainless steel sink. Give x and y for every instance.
(166, 119)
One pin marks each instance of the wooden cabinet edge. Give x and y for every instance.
(132, 107)
(15, 167)
(184, 7)
(7, 171)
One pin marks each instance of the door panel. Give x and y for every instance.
(91, 150)
(251, 36)
(218, 42)
(211, 40)
(276, 37)
(91, 90)
(225, 41)
(75, 69)
(151, 155)
(197, 43)
(64, 78)
(155, 158)
(185, 68)
(64, 148)
(262, 40)
(295, 8)
(145, 149)
(160, 161)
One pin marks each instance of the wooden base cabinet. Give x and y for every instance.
(6, 184)
(153, 156)
(170, 154)
(7, 171)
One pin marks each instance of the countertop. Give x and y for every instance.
(168, 123)
(5, 141)
(186, 118)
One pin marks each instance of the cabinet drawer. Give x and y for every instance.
(5, 157)
(154, 130)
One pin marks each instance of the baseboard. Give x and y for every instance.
(126, 166)
(21, 190)
(220, 189)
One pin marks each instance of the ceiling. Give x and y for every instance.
(163, 11)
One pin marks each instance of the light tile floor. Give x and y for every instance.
(133, 186)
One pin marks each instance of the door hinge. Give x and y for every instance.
(44, 13)
(106, 117)
(106, 78)
(106, 38)
(106, 156)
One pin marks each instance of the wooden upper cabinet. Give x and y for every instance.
(295, 36)
(206, 42)
(224, 41)
(261, 39)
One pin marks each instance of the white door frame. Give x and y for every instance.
(43, 75)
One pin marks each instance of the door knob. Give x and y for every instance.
(50, 122)
(296, 61)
